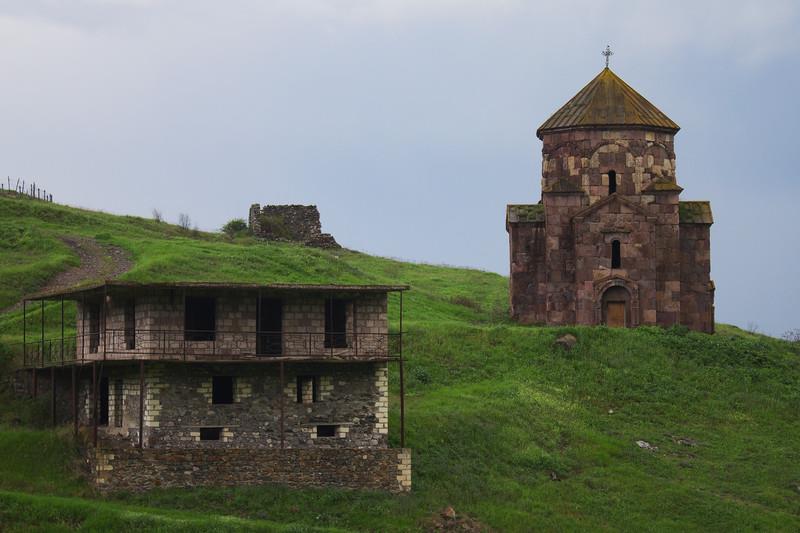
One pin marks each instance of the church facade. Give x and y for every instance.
(610, 242)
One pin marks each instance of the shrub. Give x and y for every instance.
(234, 227)
(793, 335)
(157, 216)
(184, 221)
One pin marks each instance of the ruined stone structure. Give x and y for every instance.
(610, 241)
(297, 223)
(202, 384)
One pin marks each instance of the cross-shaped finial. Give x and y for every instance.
(608, 53)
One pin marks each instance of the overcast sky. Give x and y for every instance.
(411, 124)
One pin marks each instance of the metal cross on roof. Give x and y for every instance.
(608, 53)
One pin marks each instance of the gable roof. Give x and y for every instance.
(607, 101)
(612, 198)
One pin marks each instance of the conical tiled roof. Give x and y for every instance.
(607, 101)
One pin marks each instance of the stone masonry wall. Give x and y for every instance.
(160, 323)
(299, 223)
(178, 402)
(561, 268)
(697, 296)
(131, 469)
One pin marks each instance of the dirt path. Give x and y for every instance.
(98, 262)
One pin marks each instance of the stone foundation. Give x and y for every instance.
(122, 468)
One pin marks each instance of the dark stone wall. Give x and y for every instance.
(131, 469)
(561, 269)
(697, 295)
(528, 274)
(298, 223)
(178, 402)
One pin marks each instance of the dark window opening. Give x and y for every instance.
(335, 323)
(612, 182)
(93, 318)
(200, 318)
(210, 433)
(118, 403)
(270, 326)
(326, 431)
(102, 419)
(222, 389)
(616, 260)
(130, 324)
(307, 389)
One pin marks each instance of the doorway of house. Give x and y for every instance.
(615, 307)
(270, 326)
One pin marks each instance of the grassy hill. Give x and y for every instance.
(514, 433)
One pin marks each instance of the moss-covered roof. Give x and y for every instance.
(607, 101)
(695, 213)
(530, 213)
(663, 185)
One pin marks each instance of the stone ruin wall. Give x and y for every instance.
(301, 223)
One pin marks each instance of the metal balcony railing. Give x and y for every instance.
(200, 345)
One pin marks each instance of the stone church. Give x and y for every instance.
(610, 242)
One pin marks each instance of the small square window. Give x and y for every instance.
(210, 433)
(327, 431)
(222, 389)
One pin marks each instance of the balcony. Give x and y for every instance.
(210, 346)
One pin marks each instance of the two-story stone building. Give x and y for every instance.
(205, 383)
(610, 241)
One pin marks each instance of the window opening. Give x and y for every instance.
(307, 389)
(118, 403)
(270, 326)
(103, 415)
(222, 389)
(612, 182)
(616, 260)
(200, 318)
(93, 312)
(130, 324)
(335, 323)
(327, 430)
(210, 433)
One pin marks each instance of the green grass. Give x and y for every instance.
(494, 410)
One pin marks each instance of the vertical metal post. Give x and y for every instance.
(402, 387)
(283, 400)
(53, 394)
(355, 327)
(94, 403)
(105, 318)
(83, 327)
(41, 350)
(74, 401)
(25, 332)
(141, 403)
(258, 324)
(62, 331)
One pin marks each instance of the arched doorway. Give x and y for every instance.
(616, 306)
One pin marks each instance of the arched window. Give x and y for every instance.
(615, 255)
(612, 182)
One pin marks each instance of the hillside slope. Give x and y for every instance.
(511, 431)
